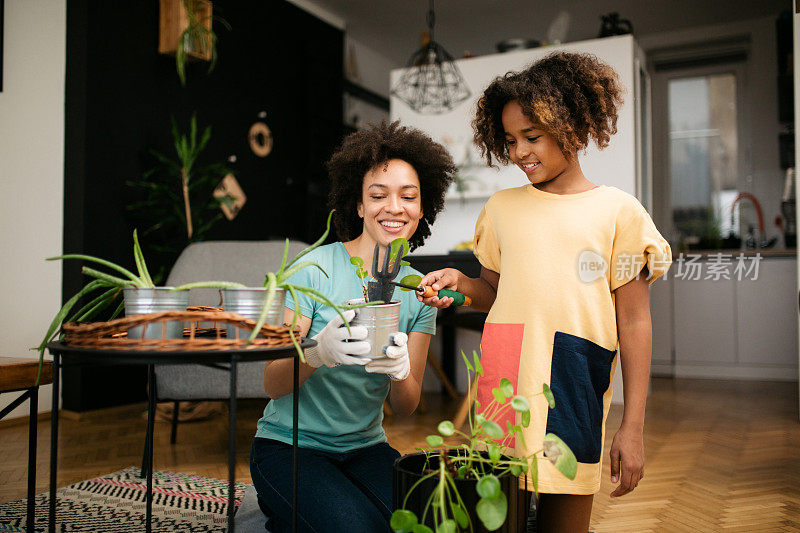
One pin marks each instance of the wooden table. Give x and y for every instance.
(17, 374)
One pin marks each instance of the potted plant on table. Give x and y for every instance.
(265, 304)
(464, 488)
(140, 296)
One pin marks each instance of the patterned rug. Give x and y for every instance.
(116, 503)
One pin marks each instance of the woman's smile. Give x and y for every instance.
(391, 205)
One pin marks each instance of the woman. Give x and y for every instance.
(388, 182)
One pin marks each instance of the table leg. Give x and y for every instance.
(295, 412)
(151, 413)
(232, 445)
(32, 429)
(54, 442)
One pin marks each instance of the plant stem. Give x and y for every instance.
(186, 205)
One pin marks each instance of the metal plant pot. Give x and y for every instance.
(249, 303)
(144, 300)
(380, 320)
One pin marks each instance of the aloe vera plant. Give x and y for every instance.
(484, 455)
(109, 285)
(280, 279)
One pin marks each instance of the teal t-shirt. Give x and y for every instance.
(341, 408)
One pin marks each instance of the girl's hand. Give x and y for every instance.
(627, 460)
(447, 278)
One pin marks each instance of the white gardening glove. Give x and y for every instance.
(333, 348)
(396, 364)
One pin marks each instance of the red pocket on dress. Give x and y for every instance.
(501, 347)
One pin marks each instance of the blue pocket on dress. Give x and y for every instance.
(579, 377)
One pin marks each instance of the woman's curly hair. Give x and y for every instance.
(574, 97)
(365, 149)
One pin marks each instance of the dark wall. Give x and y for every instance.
(120, 94)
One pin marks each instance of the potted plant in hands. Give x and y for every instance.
(381, 318)
(470, 487)
(140, 295)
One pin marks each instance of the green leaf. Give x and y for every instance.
(460, 515)
(525, 418)
(398, 248)
(141, 266)
(361, 273)
(478, 367)
(488, 486)
(492, 511)
(551, 401)
(448, 526)
(520, 403)
(109, 264)
(316, 243)
(404, 263)
(446, 428)
(479, 419)
(462, 470)
(507, 387)
(357, 261)
(209, 285)
(107, 278)
(412, 279)
(434, 440)
(492, 429)
(494, 453)
(516, 470)
(499, 397)
(271, 287)
(464, 357)
(558, 453)
(403, 521)
(421, 528)
(535, 474)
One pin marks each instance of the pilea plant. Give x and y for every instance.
(398, 249)
(110, 285)
(485, 455)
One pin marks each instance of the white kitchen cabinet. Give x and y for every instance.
(730, 329)
(767, 317)
(705, 318)
(661, 315)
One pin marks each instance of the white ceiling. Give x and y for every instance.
(392, 27)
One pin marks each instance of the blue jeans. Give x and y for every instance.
(350, 491)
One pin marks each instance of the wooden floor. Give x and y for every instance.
(721, 456)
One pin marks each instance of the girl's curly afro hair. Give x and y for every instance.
(574, 97)
(365, 149)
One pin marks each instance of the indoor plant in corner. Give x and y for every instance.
(140, 296)
(449, 489)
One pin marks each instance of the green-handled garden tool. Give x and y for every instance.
(426, 292)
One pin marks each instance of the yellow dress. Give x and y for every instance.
(560, 257)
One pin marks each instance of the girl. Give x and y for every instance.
(565, 272)
(388, 181)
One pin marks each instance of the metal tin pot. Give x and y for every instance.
(249, 303)
(380, 320)
(144, 300)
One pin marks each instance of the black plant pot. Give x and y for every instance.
(408, 470)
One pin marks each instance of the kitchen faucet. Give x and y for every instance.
(762, 243)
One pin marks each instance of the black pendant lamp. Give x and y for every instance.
(431, 84)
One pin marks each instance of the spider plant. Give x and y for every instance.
(198, 36)
(107, 285)
(398, 249)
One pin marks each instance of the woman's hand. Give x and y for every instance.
(447, 278)
(627, 460)
(397, 363)
(335, 344)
